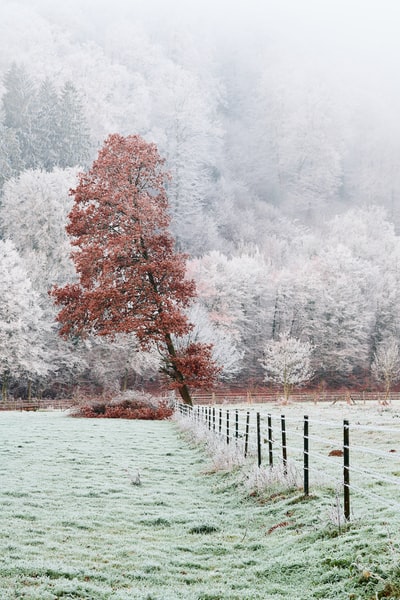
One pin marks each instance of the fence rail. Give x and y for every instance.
(37, 404)
(265, 396)
(322, 452)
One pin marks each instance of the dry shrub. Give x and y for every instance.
(125, 409)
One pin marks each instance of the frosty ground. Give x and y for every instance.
(73, 525)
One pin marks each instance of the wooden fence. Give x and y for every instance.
(36, 404)
(265, 396)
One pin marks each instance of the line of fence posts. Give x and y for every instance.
(209, 417)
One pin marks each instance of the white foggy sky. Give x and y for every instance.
(359, 39)
(360, 26)
(355, 22)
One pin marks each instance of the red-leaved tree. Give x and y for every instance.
(131, 279)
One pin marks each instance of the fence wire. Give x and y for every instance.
(278, 440)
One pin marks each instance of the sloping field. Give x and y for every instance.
(73, 525)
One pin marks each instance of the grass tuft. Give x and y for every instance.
(203, 529)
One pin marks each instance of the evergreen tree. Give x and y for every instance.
(10, 154)
(73, 132)
(46, 127)
(19, 107)
(43, 129)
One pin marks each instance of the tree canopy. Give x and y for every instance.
(131, 279)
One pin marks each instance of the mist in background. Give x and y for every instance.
(279, 124)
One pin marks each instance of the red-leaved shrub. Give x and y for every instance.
(126, 409)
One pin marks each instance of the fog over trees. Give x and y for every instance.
(279, 125)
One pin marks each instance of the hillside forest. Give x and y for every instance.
(284, 194)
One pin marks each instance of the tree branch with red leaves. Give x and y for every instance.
(131, 279)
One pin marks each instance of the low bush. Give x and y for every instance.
(124, 409)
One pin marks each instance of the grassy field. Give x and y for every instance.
(73, 525)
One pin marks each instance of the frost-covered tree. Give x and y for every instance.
(284, 139)
(10, 154)
(225, 348)
(336, 313)
(19, 108)
(49, 125)
(386, 365)
(33, 214)
(371, 238)
(287, 362)
(237, 294)
(22, 329)
(187, 130)
(45, 127)
(74, 141)
(112, 363)
(371, 173)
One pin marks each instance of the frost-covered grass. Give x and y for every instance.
(73, 526)
(371, 539)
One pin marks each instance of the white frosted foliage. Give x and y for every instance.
(34, 214)
(287, 362)
(386, 364)
(21, 325)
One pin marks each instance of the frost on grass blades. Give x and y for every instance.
(224, 457)
(274, 469)
(75, 523)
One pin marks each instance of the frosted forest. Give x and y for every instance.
(284, 191)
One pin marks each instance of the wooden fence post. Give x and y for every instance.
(227, 426)
(258, 439)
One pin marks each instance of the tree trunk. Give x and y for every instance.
(387, 393)
(125, 381)
(275, 318)
(4, 388)
(177, 375)
(185, 395)
(286, 392)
